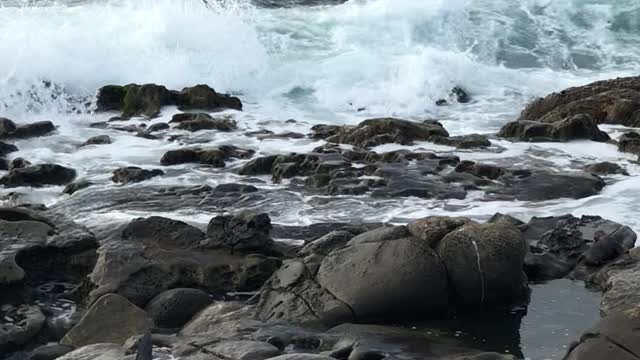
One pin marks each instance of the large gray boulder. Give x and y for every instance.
(96, 352)
(359, 275)
(111, 319)
(174, 308)
(19, 325)
(485, 263)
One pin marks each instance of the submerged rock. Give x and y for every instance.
(9, 129)
(375, 132)
(605, 168)
(98, 140)
(202, 121)
(630, 142)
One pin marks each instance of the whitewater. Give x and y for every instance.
(328, 63)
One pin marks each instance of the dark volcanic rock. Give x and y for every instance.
(39, 175)
(245, 231)
(134, 174)
(8, 129)
(215, 157)
(577, 127)
(155, 255)
(630, 142)
(157, 127)
(174, 308)
(19, 163)
(110, 98)
(145, 100)
(605, 168)
(29, 320)
(463, 142)
(203, 121)
(259, 166)
(7, 148)
(575, 247)
(540, 185)
(375, 132)
(611, 101)
(76, 186)
(205, 98)
(98, 140)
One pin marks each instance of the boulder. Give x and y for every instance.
(614, 337)
(38, 176)
(484, 263)
(375, 132)
(540, 185)
(620, 284)
(76, 186)
(36, 129)
(98, 140)
(203, 121)
(244, 231)
(133, 174)
(203, 97)
(157, 127)
(174, 308)
(605, 168)
(614, 101)
(358, 275)
(110, 98)
(629, 142)
(301, 357)
(19, 163)
(433, 228)
(327, 243)
(145, 100)
(49, 352)
(259, 166)
(111, 319)
(577, 127)
(150, 256)
(7, 127)
(472, 141)
(6, 149)
(19, 325)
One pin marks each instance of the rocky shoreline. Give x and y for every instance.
(235, 290)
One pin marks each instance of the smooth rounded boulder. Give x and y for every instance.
(378, 279)
(485, 263)
(174, 308)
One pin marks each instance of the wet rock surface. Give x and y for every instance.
(577, 127)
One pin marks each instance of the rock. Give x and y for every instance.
(212, 157)
(98, 140)
(213, 318)
(145, 100)
(19, 163)
(380, 234)
(203, 121)
(577, 127)
(565, 246)
(50, 352)
(174, 308)
(27, 321)
(38, 176)
(283, 135)
(358, 275)
(613, 337)
(246, 350)
(134, 174)
(484, 263)
(433, 228)
(111, 319)
(205, 98)
(539, 185)
(166, 232)
(155, 255)
(36, 129)
(605, 168)
(472, 141)
(460, 95)
(487, 356)
(321, 131)
(258, 166)
(144, 348)
(157, 127)
(621, 286)
(327, 243)
(110, 98)
(76, 186)
(375, 132)
(629, 142)
(244, 231)
(301, 357)
(6, 149)
(96, 352)
(7, 127)
(233, 188)
(614, 101)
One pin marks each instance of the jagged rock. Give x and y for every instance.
(19, 163)
(484, 263)
(375, 132)
(174, 308)
(26, 322)
(145, 100)
(244, 231)
(605, 168)
(157, 127)
(39, 175)
(110, 98)
(134, 174)
(205, 98)
(611, 102)
(111, 319)
(569, 246)
(150, 256)
(577, 127)
(49, 352)
(98, 140)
